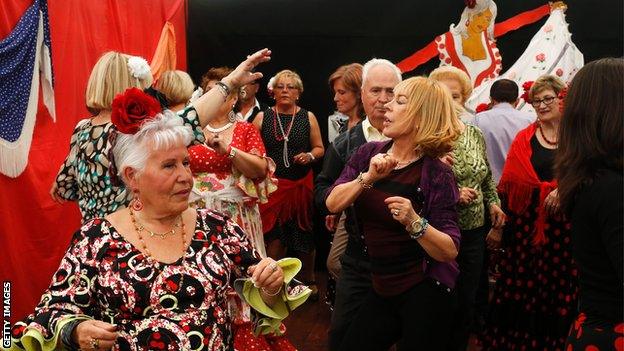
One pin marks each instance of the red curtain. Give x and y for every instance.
(34, 230)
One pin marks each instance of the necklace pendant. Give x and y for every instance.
(286, 139)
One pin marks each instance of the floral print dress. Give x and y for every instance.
(107, 278)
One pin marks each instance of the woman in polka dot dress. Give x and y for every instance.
(84, 177)
(293, 140)
(232, 175)
(535, 297)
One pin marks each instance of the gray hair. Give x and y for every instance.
(379, 62)
(164, 131)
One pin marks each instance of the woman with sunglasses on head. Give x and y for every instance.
(293, 140)
(534, 299)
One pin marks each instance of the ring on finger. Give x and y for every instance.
(396, 212)
(273, 266)
(95, 343)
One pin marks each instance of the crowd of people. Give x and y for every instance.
(193, 199)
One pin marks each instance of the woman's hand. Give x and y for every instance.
(401, 210)
(448, 159)
(497, 216)
(267, 275)
(244, 74)
(302, 158)
(551, 203)
(494, 238)
(379, 167)
(215, 141)
(95, 335)
(55, 195)
(467, 195)
(331, 222)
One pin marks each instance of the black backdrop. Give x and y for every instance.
(314, 37)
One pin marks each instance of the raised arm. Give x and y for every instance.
(208, 104)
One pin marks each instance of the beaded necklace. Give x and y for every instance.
(220, 129)
(139, 228)
(549, 142)
(284, 136)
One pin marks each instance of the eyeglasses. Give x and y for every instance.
(546, 100)
(284, 87)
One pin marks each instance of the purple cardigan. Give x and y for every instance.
(441, 195)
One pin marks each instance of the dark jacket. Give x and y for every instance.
(336, 157)
(440, 191)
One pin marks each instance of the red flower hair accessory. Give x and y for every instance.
(131, 109)
(470, 3)
(526, 87)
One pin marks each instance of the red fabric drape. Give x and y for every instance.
(519, 180)
(35, 231)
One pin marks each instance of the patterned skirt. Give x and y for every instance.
(535, 298)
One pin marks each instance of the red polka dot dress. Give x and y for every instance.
(534, 300)
(219, 186)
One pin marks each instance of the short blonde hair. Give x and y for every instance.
(289, 74)
(454, 73)
(430, 109)
(111, 76)
(176, 85)
(546, 82)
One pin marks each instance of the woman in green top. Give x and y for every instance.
(477, 192)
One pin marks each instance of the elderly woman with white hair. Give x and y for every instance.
(155, 275)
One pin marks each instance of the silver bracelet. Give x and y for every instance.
(223, 88)
(271, 294)
(312, 158)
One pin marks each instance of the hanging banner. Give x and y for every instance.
(25, 60)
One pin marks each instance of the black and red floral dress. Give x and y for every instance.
(105, 277)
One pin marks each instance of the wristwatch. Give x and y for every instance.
(417, 228)
(232, 152)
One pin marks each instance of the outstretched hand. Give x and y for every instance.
(243, 73)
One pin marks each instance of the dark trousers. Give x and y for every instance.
(470, 260)
(352, 287)
(418, 319)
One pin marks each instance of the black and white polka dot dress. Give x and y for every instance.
(298, 141)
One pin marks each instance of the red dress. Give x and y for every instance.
(218, 185)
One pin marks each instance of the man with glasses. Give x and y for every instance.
(348, 259)
(501, 123)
